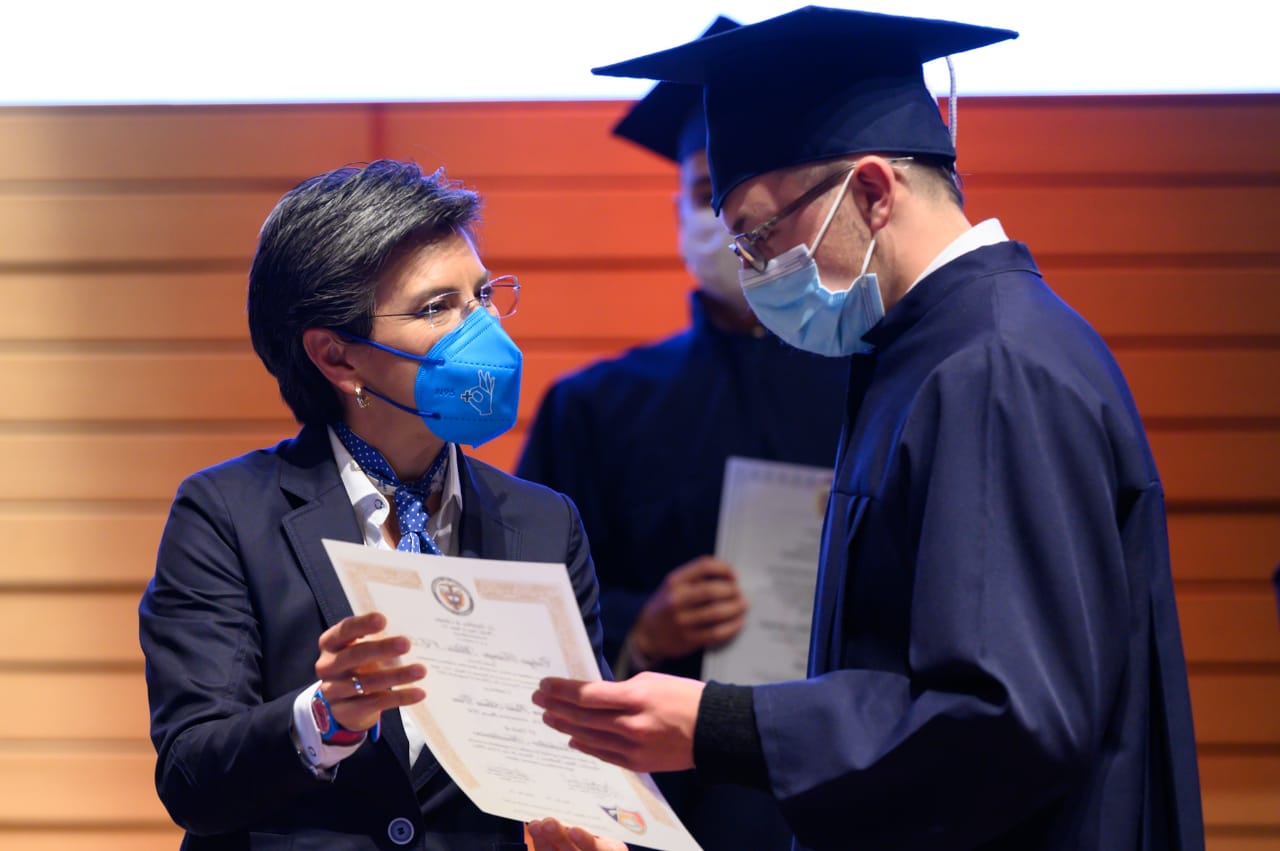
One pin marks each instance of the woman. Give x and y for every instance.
(370, 306)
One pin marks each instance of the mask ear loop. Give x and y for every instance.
(836, 206)
(866, 261)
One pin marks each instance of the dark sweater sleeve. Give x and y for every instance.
(726, 743)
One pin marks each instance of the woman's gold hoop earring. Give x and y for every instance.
(361, 399)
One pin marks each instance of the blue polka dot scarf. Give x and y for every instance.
(410, 497)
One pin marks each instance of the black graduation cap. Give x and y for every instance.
(812, 84)
(669, 119)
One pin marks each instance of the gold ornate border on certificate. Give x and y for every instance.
(655, 806)
(561, 614)
(443, 751)
(579, 667)
(360, 576)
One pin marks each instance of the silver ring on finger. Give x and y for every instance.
(357, 685)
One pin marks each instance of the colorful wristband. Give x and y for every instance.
(331, 732)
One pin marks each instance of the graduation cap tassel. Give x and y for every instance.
(951, 104)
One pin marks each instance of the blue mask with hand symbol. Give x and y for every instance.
(468, 384)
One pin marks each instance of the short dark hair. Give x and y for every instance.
(945, 176)
(940, 179)
(319, 256)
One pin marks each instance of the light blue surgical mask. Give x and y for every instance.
(468, 385)
(789, 299)
(712, 264)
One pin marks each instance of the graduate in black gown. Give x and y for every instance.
(639, 442)
(995, 660)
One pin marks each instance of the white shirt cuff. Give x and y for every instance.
(307, 735)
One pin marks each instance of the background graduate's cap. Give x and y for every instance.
(669, 119)
(812, 84)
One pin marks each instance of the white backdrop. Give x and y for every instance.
(241, 51)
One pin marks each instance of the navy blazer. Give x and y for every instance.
(229, 627)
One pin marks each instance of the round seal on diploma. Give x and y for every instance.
(453, 595)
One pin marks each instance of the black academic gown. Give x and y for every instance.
(640, 443)
(996, 660)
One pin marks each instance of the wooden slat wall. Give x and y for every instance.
(125, 234)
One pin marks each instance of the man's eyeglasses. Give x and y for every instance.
(499, 296)
(747, 245)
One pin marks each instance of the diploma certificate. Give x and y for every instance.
(770, 530)
(488, 632)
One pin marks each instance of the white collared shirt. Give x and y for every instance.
(372, 510)
(984, 233)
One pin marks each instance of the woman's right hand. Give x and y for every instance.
(360, 675)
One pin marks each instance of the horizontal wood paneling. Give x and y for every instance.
(1236, 709)
(1230, 708)
(144, 465)
(578, 225)
(181, 143)
(1240, 791)
(1195, 466)
(999, 135)
(1239, 221)
(1229, 625)
(138, 386)
(1229, 546)
(81, 787)
(112, 544)
(117, 711)
(181, 386)
(1230, 135)
(493, 142)
(603, 303)
(1161, 299)
(1223, 840)
(131, 228)
(600, 307)
(1211, 466)
(84, 627)
(115, 544)
(125, 238)
(1203, 384)
(108, 385)
(588, 225)
(137, 307)
(160, 837)
(126, 466)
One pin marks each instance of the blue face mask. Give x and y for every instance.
(789, 299)
(468, 384)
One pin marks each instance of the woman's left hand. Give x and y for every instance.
(550, 835)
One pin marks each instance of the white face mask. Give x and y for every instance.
(704, 245)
